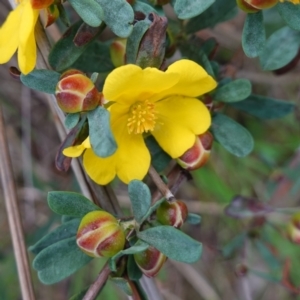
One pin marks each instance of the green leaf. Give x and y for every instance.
(232, 136)
(71, 120)
(264, 107)
(133, 41)
(66, 230)
(96, 58)
(143, 7)
(210, 17)
(186, 9)
(133, 271)
(138, 247)
(140, 197)
(233, 245)
(254, 35)
(290, 14)
(159, 158)
(65, 52)
(193, 219)
(118, 15)
(89, 11)
(59, 261)
(233, 91)
(101, 136)
(70, 204)
(122, 284)
(280, 49)
(41, 80)
(173, 243)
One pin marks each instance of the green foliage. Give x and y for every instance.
(290, 14)
(71, 120)
(133, 271)
(101, 136)
(173, 243)
(233, 91)
(122, 284)
(140, 198)
(59, 260)
(70, 204)
(265, 108)
(66, 230)
(186, 9)
(89, 11)
(235, 244)
(118, 15)
(212, 16)
(41, 80)
(280, 49)
(231, 135)
(254, 35)
(193, 219)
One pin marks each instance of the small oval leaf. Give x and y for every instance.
(290, 14)
(186, 9)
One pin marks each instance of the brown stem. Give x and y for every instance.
(14, 219)
(94, 289)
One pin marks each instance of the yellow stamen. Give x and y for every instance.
(141, 117)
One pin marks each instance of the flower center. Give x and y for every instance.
(141, 117)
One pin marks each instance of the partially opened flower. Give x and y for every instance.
(17, 33)
(151, 101)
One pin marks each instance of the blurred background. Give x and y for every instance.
(271, 173)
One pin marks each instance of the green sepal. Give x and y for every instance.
(265, 108)
(71, 120)
(89, 11)
(41, 80)
(254, 35)
(122, 284)
(233, 91)
(186, 9)
(231, 135)
(59, 261)
(133, 271)
(173, 243)
(280, 49)
(70, 204)
(118, 15)
(101, 136)
(193, 219)
(140, 197)
(64, 231)
(138, 247)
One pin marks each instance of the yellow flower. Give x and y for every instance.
(17, 32)
(293, 1)
(149, 101)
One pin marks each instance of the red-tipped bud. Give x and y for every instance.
(75, 92)
(198, 155)
(243, 5)
(100, 234)
(40, 4)
(52, 14)
(293, 228)
(253, 6)
(173, 214)
(150, 261)
(117, 52)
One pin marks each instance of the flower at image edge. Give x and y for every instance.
(163, 104)
(17, 33)
(292, 1)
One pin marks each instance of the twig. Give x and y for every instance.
(162, 187)
(98, 284)
(14, 218)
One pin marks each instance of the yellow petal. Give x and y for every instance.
(74, 151)
(130, 83)
(179, 119)
(9, 39)
(194, 80)
(27, 46)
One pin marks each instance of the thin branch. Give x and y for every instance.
(14, 218)
(98, 284)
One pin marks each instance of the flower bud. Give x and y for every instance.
(52, 14)
(75, 92)
(197, 156)
(40, 4)
(243, 5)
(173, 214)
(117, 52)
(150, 261)
(252, 6)
(293, 229)
(100, 234)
